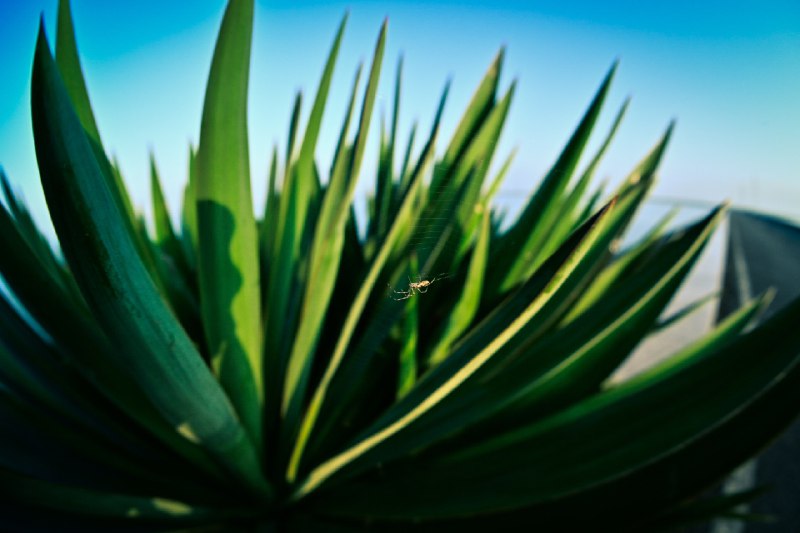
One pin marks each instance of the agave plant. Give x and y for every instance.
(432, 367)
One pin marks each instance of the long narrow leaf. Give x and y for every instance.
(81, 342)
(397, 420)
(559, 456)
(481, 103)
(297, 215)
(69, 66)
(402, 219)
(230, 292)
(466, 307)
(117, 286)
(407, 374)
(539, 214)
(325, 257)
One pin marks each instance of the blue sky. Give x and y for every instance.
(729, 72)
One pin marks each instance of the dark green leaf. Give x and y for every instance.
(117, 287)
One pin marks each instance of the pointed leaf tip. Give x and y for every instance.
(610, 74)
(41, 38)
(343, 23)
(671, 127)
(497, 62)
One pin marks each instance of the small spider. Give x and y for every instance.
(416, 287)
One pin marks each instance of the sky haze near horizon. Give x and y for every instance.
(729, 73)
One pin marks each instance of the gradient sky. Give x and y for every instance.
(729, 72)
